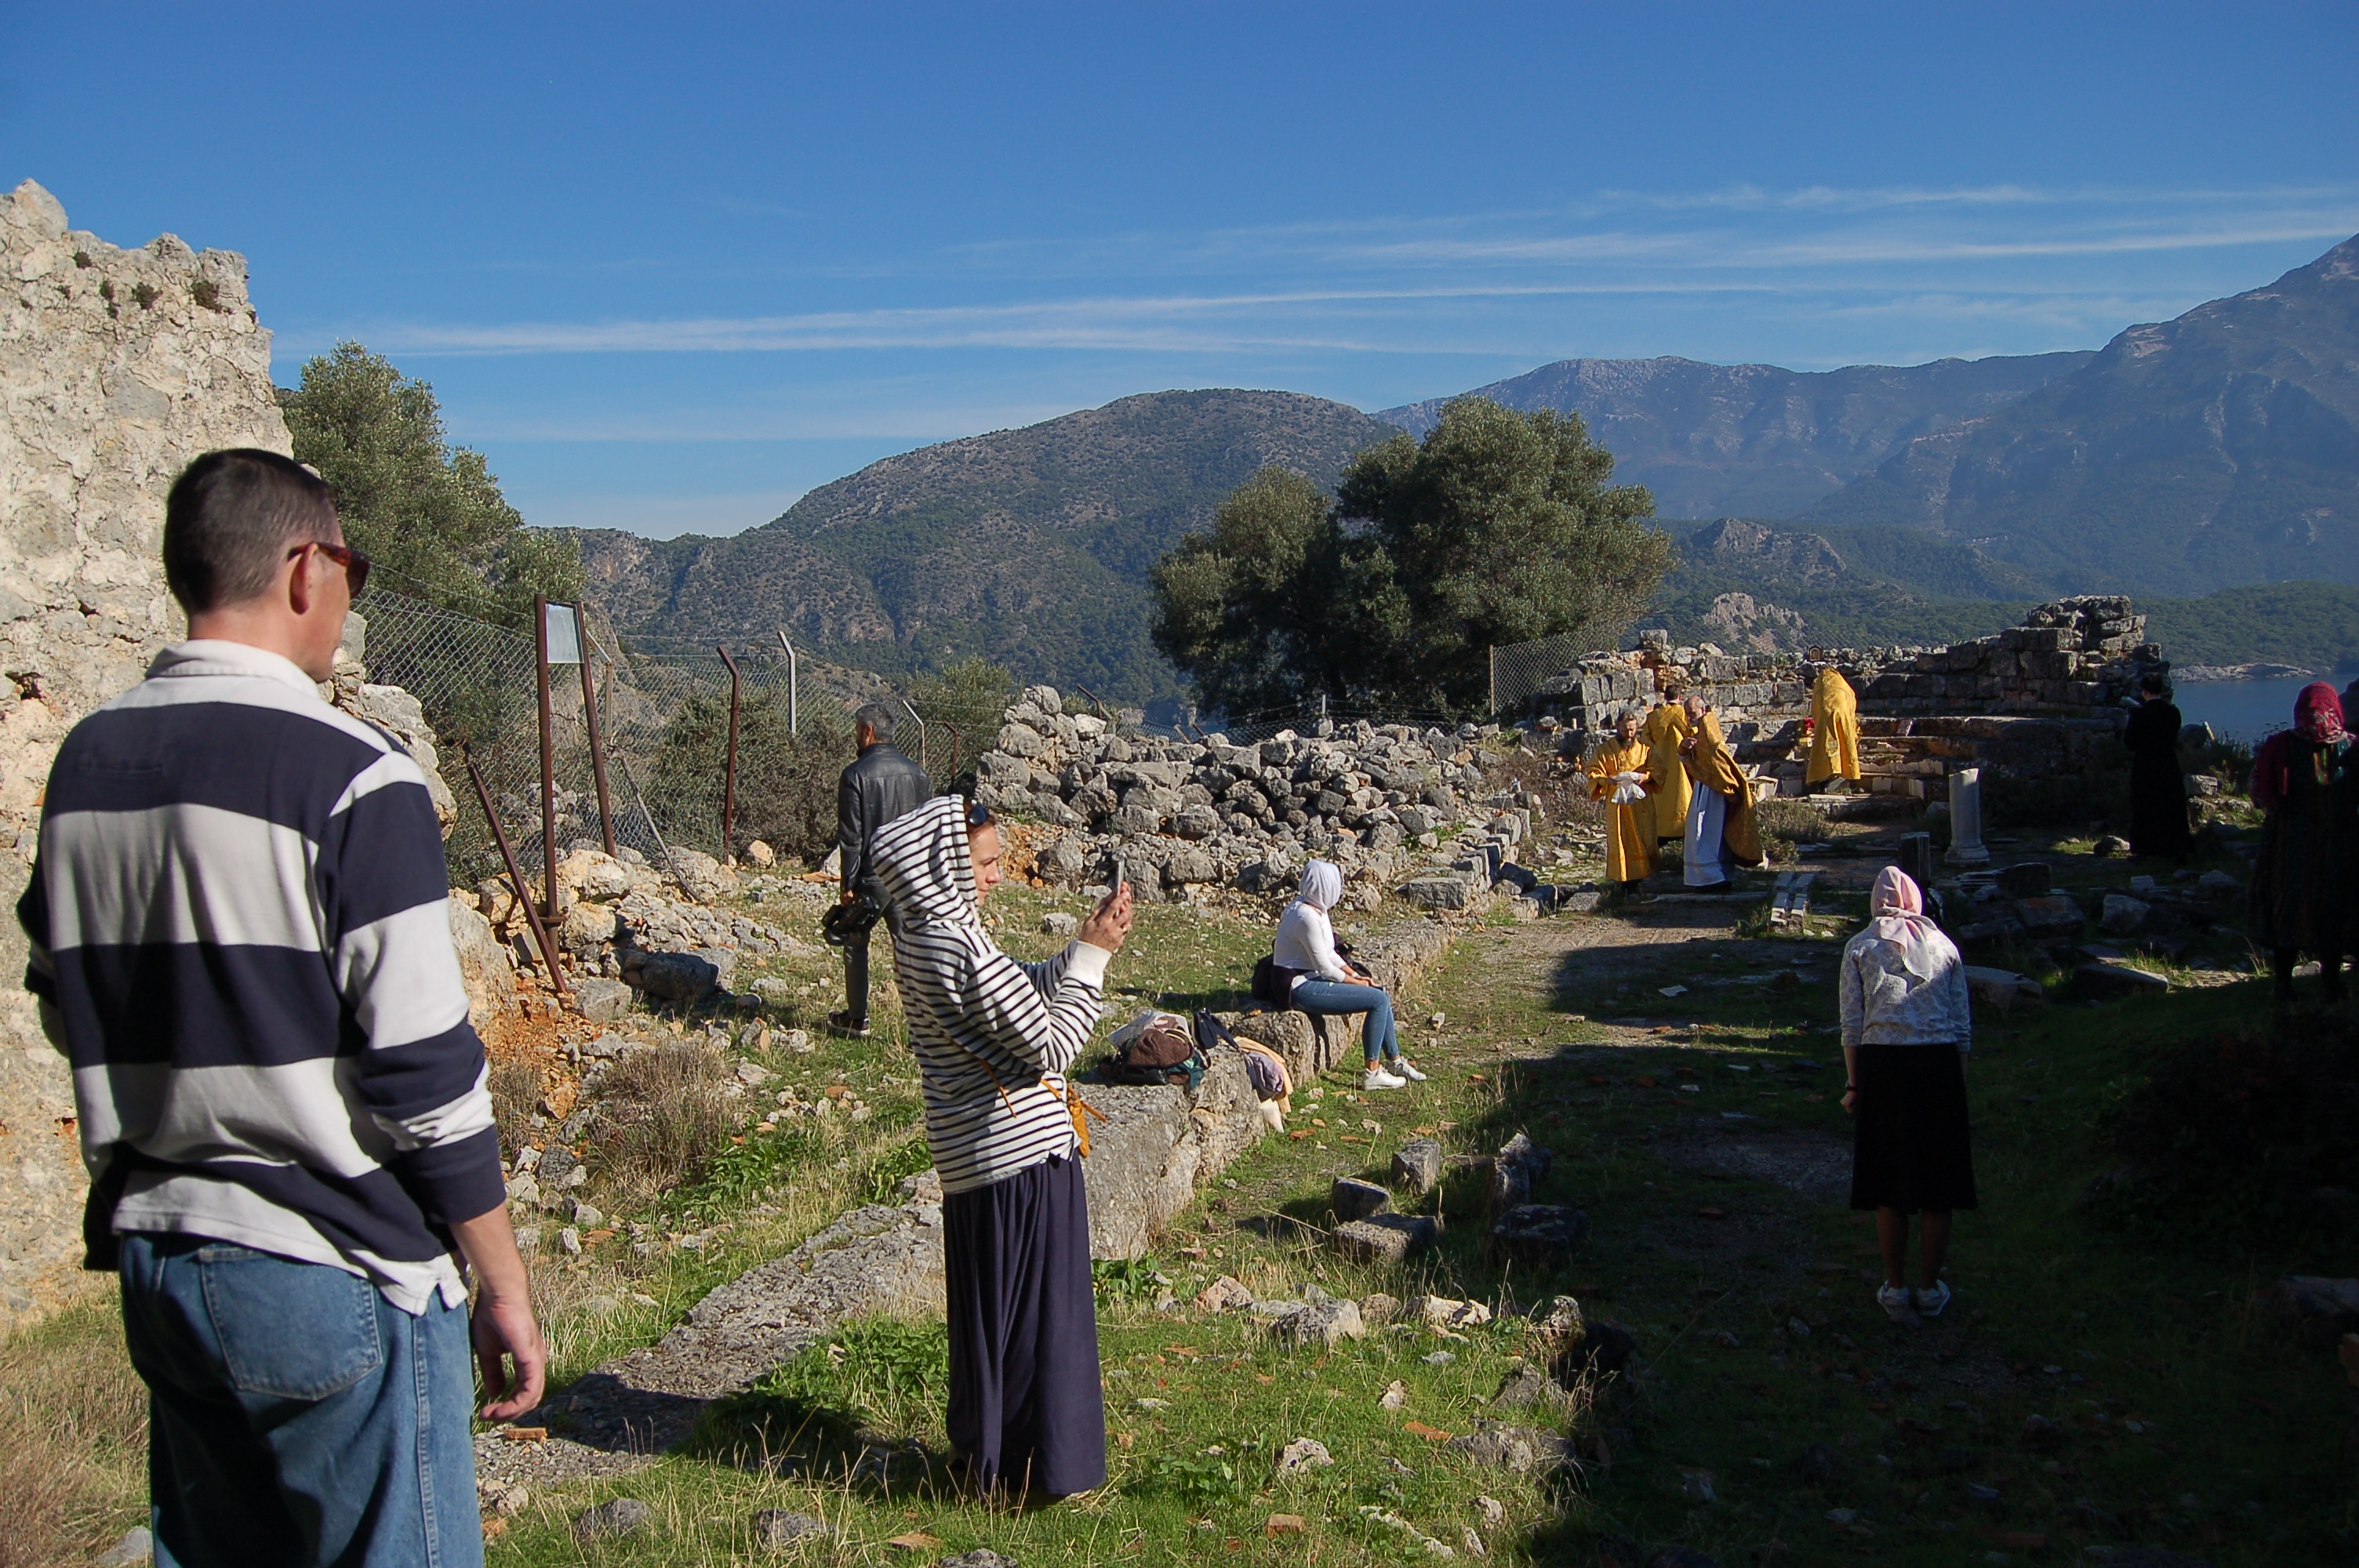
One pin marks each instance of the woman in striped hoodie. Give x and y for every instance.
(993, 1038)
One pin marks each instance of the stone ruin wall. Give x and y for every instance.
(2038, 700)
(118, 367)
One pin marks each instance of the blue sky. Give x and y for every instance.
(670, 266)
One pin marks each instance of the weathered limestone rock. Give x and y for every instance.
(116, 368)
(1417, 1167)
(2003, 989)
(1538, 1235)
(1385, 1238)
(1517, 1167)
(1352, 1198)
(1157, 1143)
(1516, 1448)
(485, 964)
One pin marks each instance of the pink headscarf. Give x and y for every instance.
(1896, 914)
(2317, 713)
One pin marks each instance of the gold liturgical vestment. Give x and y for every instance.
(1630, 831)
(1713, 767)
(1666, 726)
(1834, 728)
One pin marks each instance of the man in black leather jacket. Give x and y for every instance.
(880, 785)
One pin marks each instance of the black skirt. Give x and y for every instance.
(1027, 1412)
(1911, 1149)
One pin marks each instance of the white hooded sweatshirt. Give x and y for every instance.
(992, 1036)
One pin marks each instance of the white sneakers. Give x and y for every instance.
(1377, 1078)
(1400, 1065)
(1902, 1304)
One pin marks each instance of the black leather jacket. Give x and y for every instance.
(881, 785)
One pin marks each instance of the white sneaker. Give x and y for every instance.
(1897, 1302)
(1930, 1302)
(1400, 1064)
(1377, 1078)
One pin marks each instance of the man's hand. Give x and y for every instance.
(1109, 924)
(846, 896)
(503, 1325)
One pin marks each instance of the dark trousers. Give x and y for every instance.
(1026, 1409)
(855, 976)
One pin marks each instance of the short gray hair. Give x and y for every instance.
(877, 718)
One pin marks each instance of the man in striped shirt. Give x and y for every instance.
(240, 940)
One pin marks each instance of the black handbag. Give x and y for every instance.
(843, 921)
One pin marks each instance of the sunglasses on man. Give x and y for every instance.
(356, 565)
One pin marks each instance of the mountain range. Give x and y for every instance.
(1869, 504)
(1756, 440)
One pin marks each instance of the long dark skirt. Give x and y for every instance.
(1026, 1409)
(1910, 1148)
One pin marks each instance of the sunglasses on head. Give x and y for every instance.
(356, 565)
(978, 814)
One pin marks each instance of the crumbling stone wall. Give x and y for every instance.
(2034, 700)
(116, 368)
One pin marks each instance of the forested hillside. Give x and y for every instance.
(1028, 546)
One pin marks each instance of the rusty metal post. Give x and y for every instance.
(590, 723)
(548, 755)
(958, 744)
(516, 883)
(729, 779)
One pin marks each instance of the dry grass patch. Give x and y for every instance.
(74, 1427)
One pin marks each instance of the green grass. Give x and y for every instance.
(2237, 1460)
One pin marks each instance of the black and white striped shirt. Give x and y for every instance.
(241, 941)
(992, 1036)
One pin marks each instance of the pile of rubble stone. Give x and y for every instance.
(629, 927)
(1185, 815)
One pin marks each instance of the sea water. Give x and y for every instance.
(2240, 709)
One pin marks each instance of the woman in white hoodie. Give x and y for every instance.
(1322, 980)
(993, 1038)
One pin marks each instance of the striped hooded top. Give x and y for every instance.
(994, 1037)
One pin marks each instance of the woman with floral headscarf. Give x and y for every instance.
(1906, 1027)
(1319, 980)
(2303, 781)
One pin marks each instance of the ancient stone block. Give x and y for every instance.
(1538, 1236)
(1417, 1167)
(1385, 1238)
(1352, 1198)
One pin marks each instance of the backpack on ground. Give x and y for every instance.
(1154, 1048)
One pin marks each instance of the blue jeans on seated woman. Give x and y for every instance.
(1378, 1040)
(296, 1416)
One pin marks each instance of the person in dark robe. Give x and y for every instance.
(2305, 784)
(2158, 785)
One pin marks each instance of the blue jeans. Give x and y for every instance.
(1377, 1037)
(296, 1416)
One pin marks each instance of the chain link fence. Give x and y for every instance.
(1519, 670)
(663, 715)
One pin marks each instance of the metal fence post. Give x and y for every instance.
(589, 723)
(729, 778)
(794, 687)
(548, 753)
(515, 878)
(921, 730)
